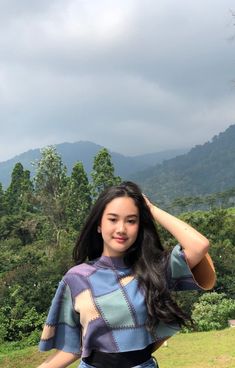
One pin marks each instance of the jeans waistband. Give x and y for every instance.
(151, 363)
(128, 359)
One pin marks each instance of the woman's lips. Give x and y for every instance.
(120, 240)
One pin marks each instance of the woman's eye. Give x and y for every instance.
(112, 219)
(132, 221)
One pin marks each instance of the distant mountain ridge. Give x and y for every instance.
(205, 169)
(85, 151)
(164, 176)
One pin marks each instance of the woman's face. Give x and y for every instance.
(119, 226)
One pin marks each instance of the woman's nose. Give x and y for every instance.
(121, 227)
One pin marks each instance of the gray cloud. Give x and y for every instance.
(133, 76)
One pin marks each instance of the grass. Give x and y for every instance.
(199, 350)
(214, 349)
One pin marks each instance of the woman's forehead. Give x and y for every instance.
(122, 205)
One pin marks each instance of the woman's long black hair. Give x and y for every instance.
(146, 256)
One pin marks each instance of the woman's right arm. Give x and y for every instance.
(60, 359)
(62, 330)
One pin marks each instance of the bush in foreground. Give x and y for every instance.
(212, 311)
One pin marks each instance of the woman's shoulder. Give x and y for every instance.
(82, 269)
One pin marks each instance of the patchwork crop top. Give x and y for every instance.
(99, 306)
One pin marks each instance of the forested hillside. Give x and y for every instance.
(206, 169)
(39, 222)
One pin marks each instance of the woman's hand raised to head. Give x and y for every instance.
(194, 244)
(147, 201)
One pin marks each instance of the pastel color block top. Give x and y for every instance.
(100, 306)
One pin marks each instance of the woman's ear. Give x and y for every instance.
(99, 229)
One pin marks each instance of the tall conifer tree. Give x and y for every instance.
(18, 194)
(79, 199)
(51, 188)
(102, 173)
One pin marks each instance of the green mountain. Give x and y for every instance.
(164, 176)
(85, 152)
(158, 157)
(205, 169)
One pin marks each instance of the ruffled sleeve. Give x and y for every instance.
(181, 277)
(62, 328)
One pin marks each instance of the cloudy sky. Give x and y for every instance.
(134, 76)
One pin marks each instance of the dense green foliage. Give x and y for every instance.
(39, 222)
(212, 311)
(224, 199)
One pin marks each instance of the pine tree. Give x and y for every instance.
(19, 192)
(79, 199)
(102, 173)
(51, 189)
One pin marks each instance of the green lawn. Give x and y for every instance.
(214, 349)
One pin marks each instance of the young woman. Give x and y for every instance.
(114, 308)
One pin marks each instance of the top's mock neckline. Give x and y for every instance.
(111, 262)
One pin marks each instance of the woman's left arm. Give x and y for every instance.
(194, 244)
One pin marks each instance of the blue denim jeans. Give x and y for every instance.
(148, 364)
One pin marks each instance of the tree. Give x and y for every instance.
(20, 190)
(79, 199)
(2, 201)
(212, 311)
(222, 252)
(26, 192)
(102, 173)
(51, 189)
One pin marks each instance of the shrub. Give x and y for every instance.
(212, 311)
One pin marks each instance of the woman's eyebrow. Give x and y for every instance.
(116, 215)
